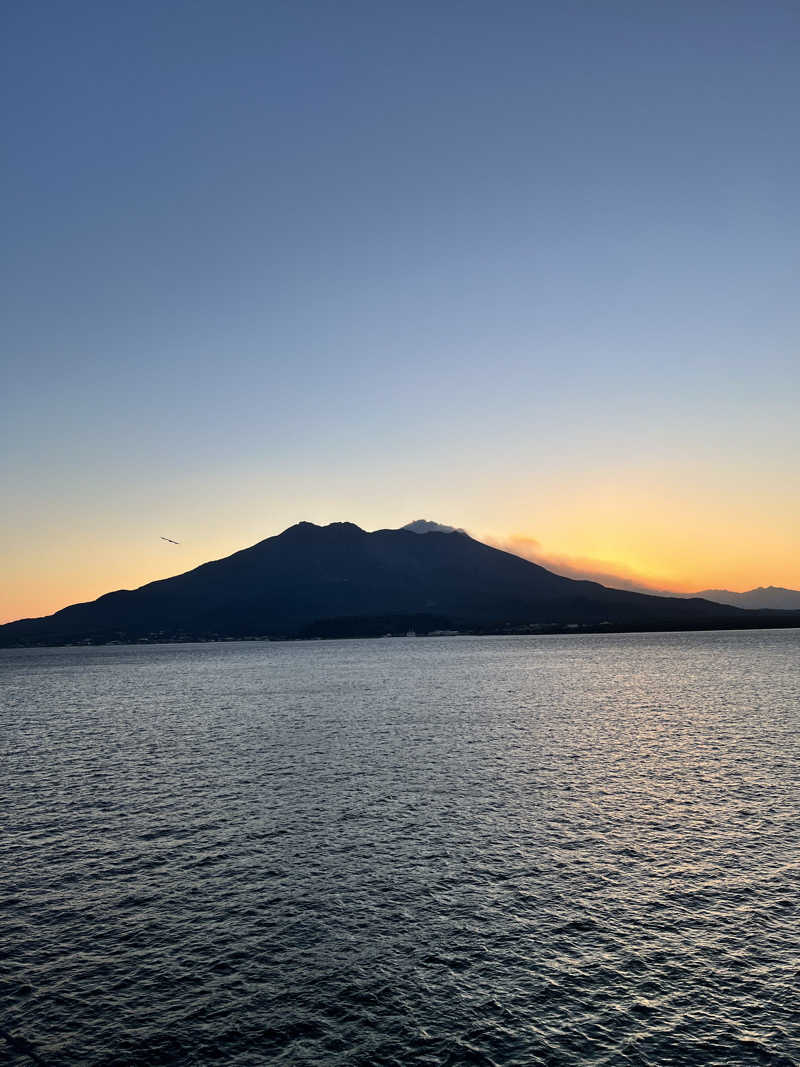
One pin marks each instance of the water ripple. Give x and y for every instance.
(498, 851)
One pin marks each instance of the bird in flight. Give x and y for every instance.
(170, 540)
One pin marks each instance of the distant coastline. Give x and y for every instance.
(358, 633)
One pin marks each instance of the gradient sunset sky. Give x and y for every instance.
(526, 268)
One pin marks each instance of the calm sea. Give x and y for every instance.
(554, 850)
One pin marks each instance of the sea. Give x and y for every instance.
(560, 850)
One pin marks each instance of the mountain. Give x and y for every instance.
(323, 580)
(770, 597)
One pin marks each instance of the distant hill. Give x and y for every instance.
(770, 597)
(317, 581)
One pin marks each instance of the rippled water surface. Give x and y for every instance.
(564, 850)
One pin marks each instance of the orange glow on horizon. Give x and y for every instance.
(627, 557)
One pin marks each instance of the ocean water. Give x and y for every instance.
(557, 850)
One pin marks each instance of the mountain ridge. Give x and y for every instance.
(762, 598)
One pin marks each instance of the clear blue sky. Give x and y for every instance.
(530, 268)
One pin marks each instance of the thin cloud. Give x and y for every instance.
(584, 568)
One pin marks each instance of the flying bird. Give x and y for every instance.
(170, 540)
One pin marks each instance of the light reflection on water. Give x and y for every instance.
(568, 850)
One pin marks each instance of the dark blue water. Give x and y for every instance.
(570, 850)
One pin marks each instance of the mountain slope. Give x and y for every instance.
(309, 573)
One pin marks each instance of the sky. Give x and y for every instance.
(529, 269)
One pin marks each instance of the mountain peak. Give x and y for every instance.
(423, 526)
(312, 527)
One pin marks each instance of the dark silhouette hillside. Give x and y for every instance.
(308, 577)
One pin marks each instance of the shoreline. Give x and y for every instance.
(533, 630)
